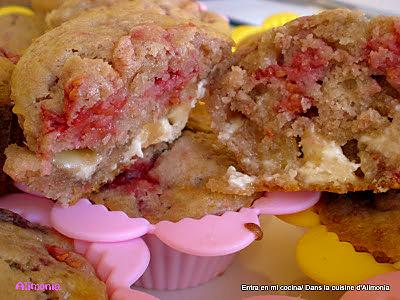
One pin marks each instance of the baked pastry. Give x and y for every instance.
(70, 9)
(93, 92)
(172, 183)
(314, 104)
(183, 8)
(42, 7)
(31, 253)
(15, 2)
(16, 34)
(368, 221)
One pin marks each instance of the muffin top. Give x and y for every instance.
(94, 43)
(191, 9)
(70, 9)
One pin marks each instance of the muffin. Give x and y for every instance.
(172, 182)
(93, 92)
(16, 34)
(15, 2)
(41, 7)
(32, 254)
(368, 221)
(313, 105)
(183, 8)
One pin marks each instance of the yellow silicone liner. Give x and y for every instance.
(13, 9)
(325, 259)
(241, 32)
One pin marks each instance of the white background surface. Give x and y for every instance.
(269, 261)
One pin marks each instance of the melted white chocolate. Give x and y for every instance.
(325, 162)
(82, 162)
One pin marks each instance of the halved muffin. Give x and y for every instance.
(370, 222)
(33, 254)
(93, 92)
(172, 182)
(314, 104)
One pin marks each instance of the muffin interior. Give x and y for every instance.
(314, 104)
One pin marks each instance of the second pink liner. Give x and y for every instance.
(170, 269)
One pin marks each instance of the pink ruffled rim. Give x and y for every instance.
(94, 227)
(118, 265)
(210, 235)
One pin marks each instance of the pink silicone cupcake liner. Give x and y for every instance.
(173, 270)
(206, 245)
(118, 265)
(183, 254)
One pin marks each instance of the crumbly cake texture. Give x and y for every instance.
(32, 253)
(173, 183)
(314, 105)
(70, 9)
(368, 221)
(95, 91)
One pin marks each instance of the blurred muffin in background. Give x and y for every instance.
(17, 32)
(37, 254)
